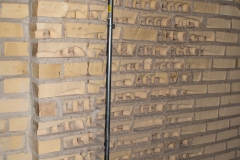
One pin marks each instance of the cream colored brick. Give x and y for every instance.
(226, 37)
(194, 89)
(46, 71)
(18, 124)
(121, 16)
(205, 7)
(75, 69)
(60, 89)
(11, 143)
(81, 30)
(215, 148)
(203, 139)
(1, 157)
(14, 105)
(13, 10)
(208, 102)
(235, 143)
(15, 48)
(235, 24)
(225, 156)
(238, 153)
(229, 111)
(234, 74)
(219, 88)
(20, 156)
(224, 63)
(3, 126)
(217, 125)
(49, 146)
(229, 10)
(227, 134)
(206, 115)
(214, 75)
(57, 49)
(61, 9)
(198, 63)
(235, 121)
(231, 99)
(209, 158)
(16, 85)
(201, 36)
(95, 68)
(235, 87)
(13, 67)
(139, 34)
(238, 63)
(232, 51)
(213, 50)
(47, 109)
(46, 30)
(11, 30)
(218, 23)
(194, 129)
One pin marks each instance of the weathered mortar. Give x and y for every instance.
(186, 91)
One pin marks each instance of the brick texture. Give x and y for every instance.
(175, 80)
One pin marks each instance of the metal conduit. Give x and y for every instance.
(111, 26)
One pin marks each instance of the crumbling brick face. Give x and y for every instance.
(175, 80)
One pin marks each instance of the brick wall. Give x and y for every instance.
(175, 82)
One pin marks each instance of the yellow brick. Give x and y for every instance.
(214, 75)
(238, 153)
(20, 156)
(235, 24)
(235, 143)
(226, 37)
(18, 124)
(218, 23)
(15, 48)
(224, 63)
(208, 102)
(232, 51)
(204, 139)
(2, 126)
(234, 74)
(49, 146)
(215, 148)
(47, 109)
(205, 7)
(1, 157)
(81, 30)
(14, 105)
(206, 115)
(235, 87)
(48, 71)
(11, 30)
(13, 67)
(235, 121)
(217, 125)
(11, 143)
(75, 69)
(16, 85)
(238, 63)
(198, 63)
(227, 134)
(194, 129)
(61, 9)
(139, 34)
(202, 36)
(213, 50)
(13, 10)
(229, 10)
(95, 68)
(46, 30)
(225, 156)
(218, 88)
(60, 89)
(230, 99)
(229, 111)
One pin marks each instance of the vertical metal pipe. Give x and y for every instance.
(108, 78)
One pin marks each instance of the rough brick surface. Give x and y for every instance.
(175, 80)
